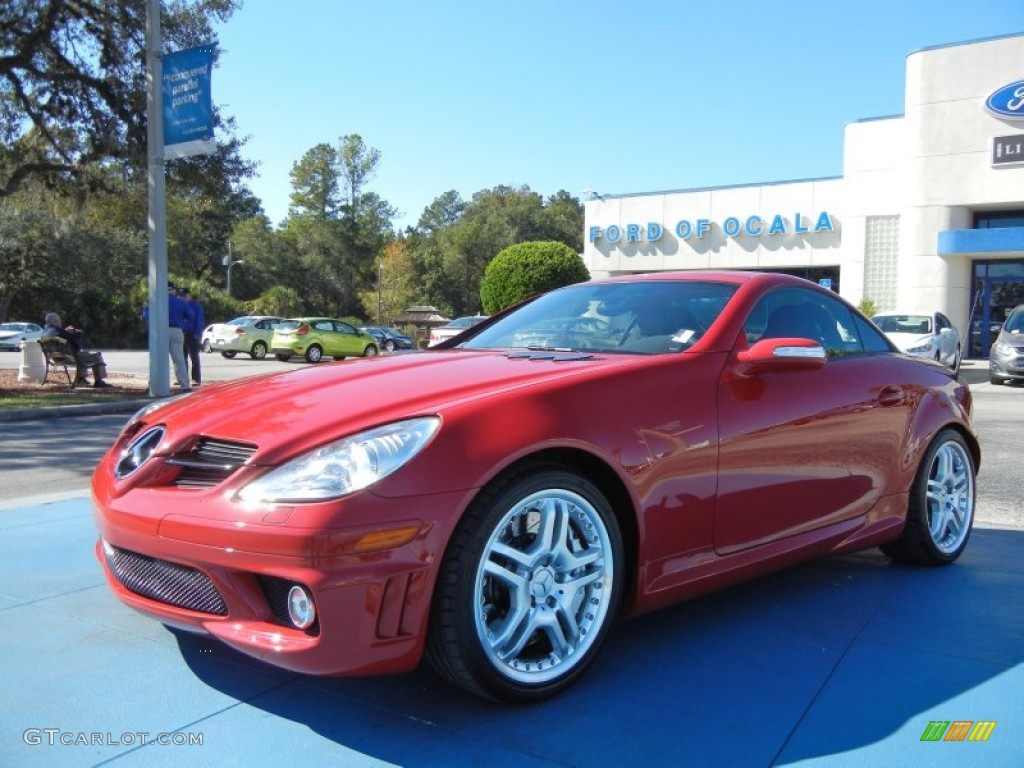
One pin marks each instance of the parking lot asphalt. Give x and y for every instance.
(844, 661)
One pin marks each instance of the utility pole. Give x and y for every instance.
(159, 368)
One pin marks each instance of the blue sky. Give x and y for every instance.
(616, 97)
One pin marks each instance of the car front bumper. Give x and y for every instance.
(370, 583)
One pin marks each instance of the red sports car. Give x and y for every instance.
(495, 502)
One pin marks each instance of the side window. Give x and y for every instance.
(805, 314)
(344, 328)
(324, 325)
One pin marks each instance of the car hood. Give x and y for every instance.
(284, 413)
(10, 334)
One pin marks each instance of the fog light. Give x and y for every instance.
(300, 607)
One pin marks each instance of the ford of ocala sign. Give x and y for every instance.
(731, 226)
(1008, 101)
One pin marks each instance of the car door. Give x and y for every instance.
(803, 449)
(947, 337)
(347, 340)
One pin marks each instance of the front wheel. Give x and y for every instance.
(389, 345)
(370, 351)
(941, 509)
(528, 588)
(258, 351)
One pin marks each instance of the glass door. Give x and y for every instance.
(998, 287)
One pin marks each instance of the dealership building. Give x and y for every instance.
(928, 214)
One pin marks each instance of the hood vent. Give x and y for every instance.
(209, 462)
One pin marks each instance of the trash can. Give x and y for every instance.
(33, 364)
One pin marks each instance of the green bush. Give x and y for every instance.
(524, 270)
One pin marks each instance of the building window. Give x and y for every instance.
(998, 219)
(881, 260)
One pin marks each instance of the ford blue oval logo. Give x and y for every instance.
(1008, 101)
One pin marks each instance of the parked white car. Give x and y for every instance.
(923, 334)
(249, 334)
(12, 334)
(454, 328)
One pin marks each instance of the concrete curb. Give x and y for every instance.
(84, 409)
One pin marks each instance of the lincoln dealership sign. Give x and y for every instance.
(697, 229)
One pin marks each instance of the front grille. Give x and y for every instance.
(209, 462)
(165, 582)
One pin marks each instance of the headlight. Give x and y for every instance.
(344, 466)
(1000, 348)
(926, 347)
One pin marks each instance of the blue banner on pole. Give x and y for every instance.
(188, 104)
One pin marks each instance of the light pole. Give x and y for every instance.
(380, 276)
(228, 262)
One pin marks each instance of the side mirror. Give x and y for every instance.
(789, 354)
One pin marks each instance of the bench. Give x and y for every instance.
(58, 356)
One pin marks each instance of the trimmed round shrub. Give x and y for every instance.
(524, 270)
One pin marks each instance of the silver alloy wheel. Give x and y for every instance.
(543, 586)
(950, 497)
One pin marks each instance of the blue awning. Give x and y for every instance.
(998, 240)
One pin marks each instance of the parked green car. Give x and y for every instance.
(315, 338)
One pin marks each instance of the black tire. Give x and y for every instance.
(940, 513)
(482, 637)
(314, 353)
(995, 380)
(956, 361)
(283, 358)
(389, 345)
(228, 355)
(258, 351)
(370, 351)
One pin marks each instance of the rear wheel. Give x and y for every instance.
(258, 351)
(941, 509)
(314, 353)
(228, 355)
(529, 586)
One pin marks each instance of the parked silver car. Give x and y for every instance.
(923, 334)
(1006, 358)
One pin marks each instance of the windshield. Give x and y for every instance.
(919, 324)
(11, 326)
(630, 317)
(1015, 322)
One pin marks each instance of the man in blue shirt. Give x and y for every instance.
(178, 317)
(193, 329)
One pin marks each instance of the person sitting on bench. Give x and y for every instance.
(84, 359)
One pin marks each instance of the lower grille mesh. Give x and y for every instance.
(171, 583)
